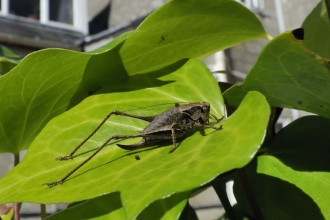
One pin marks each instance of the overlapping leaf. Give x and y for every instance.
(198, 159)
(317, 28)
(38, 89)
(188, 28)
(8, 59)
(292, 179)
(289, 76)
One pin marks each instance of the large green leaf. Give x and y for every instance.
(292, 179)
(48, 82)
(188, 28)
(178, 29)
(199, 158)
(317, 27)
(289, 76)
(40, 88)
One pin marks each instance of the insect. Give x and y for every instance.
(162, 38)
(171, 124)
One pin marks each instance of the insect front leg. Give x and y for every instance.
(146, 118)
(208, 126)
(216, 118)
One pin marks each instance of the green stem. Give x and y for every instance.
(16, 159)
(220, 189)
(252, 199)
(16, 205)
(43, 211)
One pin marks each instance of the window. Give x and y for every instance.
(61, 11)
(254, 5)
(25, 8)
(58, 10)
(71, 14)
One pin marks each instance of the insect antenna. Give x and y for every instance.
(151, 107)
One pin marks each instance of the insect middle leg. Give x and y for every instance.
(174, 137)
(146, 118)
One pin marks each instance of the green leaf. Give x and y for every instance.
(101, 208)
(317, 28)
(293, 178)
(48, 82)
(167, 208)
(199, 158)
(188, 29)
(8, 59)
(304, 144)
(40, 88)
(178, 29)
(109, 207)
(289, 75)
(37, 90)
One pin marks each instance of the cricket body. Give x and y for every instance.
(174, 123)
(171, 124)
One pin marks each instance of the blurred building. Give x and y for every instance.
(29, 25)
(84, 25)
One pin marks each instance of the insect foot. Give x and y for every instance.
(53, 183)
(219, 128)
(64, 158)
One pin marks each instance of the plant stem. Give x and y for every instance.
(16, 159)
(43, 211)
(16, 211)
(252, 199)
(220, 189)
(16, 205)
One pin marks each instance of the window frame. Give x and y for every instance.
(80, 15)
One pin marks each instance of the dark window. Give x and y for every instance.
(25, 8)
(100, 21)
(61, 11)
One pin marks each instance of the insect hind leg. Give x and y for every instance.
(115, 137)
(146, 118)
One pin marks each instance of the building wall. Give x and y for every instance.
(123, 11)
(95, 6)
